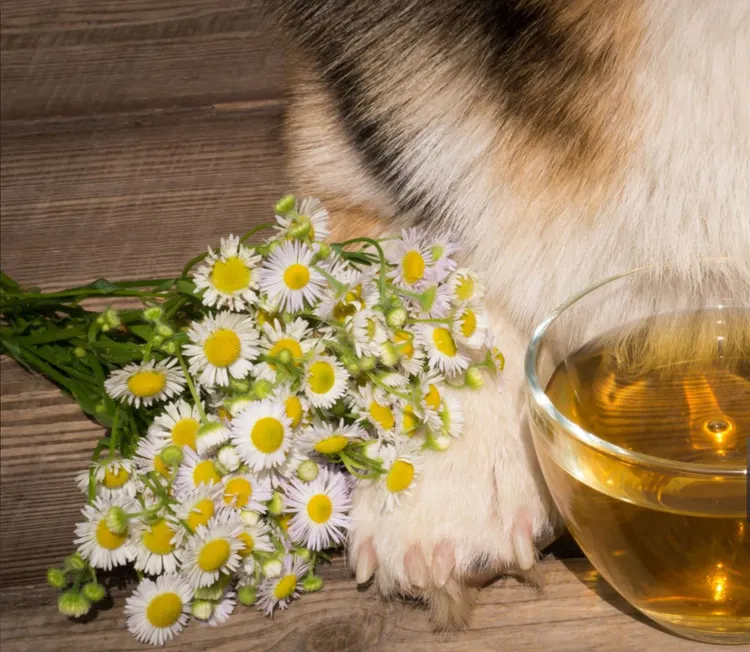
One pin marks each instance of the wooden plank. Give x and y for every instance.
(92, 56)
(133, 196)
(576, 611)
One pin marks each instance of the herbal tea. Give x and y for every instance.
(677, 548)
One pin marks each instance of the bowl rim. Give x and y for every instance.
(543, 402)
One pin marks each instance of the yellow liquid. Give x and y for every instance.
(677, 548)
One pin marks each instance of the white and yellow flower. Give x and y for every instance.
(228, 277)
(212, 550)
(465, 286)
(470, 325)
(198, 506)
(97, 542)
(359, 292)
(211, 435)
(441, 252)
(451, 416)
(432, 388)
(368, 332)
(145, 383)
(195, 471)
(325, 381)
(223, 346)
(311, 217)
(255, 538)
(220, 610)
(442, 350)
(292, 342)
(411, 259)
(410, 351)
(327, 438)
(158, 610)
(289, 278)
(295, 405)
(112, 476)
(402, 465)
(157, 547)
(178, 423)
(377, 408)
(320, 510)
(148, 454)
(262, 434)
(281, 590)
(246, 491)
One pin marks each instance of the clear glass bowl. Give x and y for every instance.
(662, 516)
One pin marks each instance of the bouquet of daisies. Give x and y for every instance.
(244, 400)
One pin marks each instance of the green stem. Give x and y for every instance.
(254, 230)
(193, 391)
(385, 387)
(114, 433)
(383, 264)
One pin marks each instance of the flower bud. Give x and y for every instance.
(396, 317)
(94, 591)
(171, 455)
(303, 553)
(324, 250)
(79, 352)
(215, 590)
(284, 205)
(262, 388)
(300, 227)
(202, 609)
(474, 378)
(249, 517)
(74, 562)
(247, 595)
(164, 330)
(368, 363)
(157, 340)
(116, 520)
(228, 458)
(272, 568)
(388, 354)
(307, 471)
(285, 356)
(353, 368)
(112, 317)
(239, 386)
(276, 505)
(73, 604)
(57, 578)
(339, 408)
(153, 314)
(312, 583)
(169, 347)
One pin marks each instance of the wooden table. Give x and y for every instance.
(133, 134)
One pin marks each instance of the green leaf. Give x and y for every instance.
(103, 285)
(143, 331)
(186, 287)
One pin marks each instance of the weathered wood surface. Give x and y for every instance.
(133, 134)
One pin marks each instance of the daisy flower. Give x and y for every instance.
(212, 550)
(376, 407)
(432, 399)
(245, 491)
(402, 465)
(407, 420)
(291, 341)
(156, 547)
(443, 353)
(288, 277)
(194, 472)
(113, 476)
(470, 326)
(328, 439)
(359, 293)
(410, 258)
(295, 405)
(281, 590)
(320, 510)
(368, 332)
(442, 302)
(158, 609)
(262, 434)
(441, 250)
(220, 610)
(96, 542)
(465, 286)
(228, 277)
(451, 417)
(145, 383)
(198, 506)
(310, 214)
(222, 346)
(148, 454)
(179, 423)
(280, 474)
(254, 538)
(325, 381)
(411, 354)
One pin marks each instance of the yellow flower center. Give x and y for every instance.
(444, 341)
(183, 432)
(290, 345)
(284, 521)
(413, 266)
(267, 434)
(160, 467)
(469, 323)
(214, 555)
(404, 344)
(158, 539)
(294, 410)
(285, 587)
(201, 513)
(348, 305)
(371, 328)
(319, 508)
(382, 414)
(247, 545)
(400, 476)
(108, 539)
(331, 445)
(238, 490)
(433, 397)
(230, 276)
(205, 473)
(222, 348)
(465, 288)
(115, 480)
(164, 610)
(410, 420)
(146, 383)
(296, 276)
(322, 377)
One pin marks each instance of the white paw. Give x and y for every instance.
(479, 509)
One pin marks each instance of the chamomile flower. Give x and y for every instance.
(325, 381)
(112, 476)
(402, 465)
(442, 350)
(407, 421)
(281, 590)
(441, 250)
(465, 286)
(179, 423)
(295, 405)
(292, 341)
(470, 326)
(377, 408)
(195, 471)
(246, 491)
(310, 222)
(411, 259)
(442, 303)
(198, 506)
(320, 510)
(222, 347)
(431, 385)
(157, 547)
(358, 293)
(262, 434)
(368, 332)
(228, 277)
(410, 351)
(158, 609)
(145, 383)
(101, 544)
(280, 473)
(254, 538)
(148, 454)
(289, 277)
(328, 438)
(451, 417)
(212, 550)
